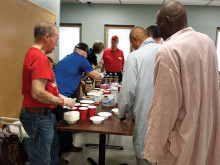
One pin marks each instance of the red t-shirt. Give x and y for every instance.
(113, 60)
(36, 65)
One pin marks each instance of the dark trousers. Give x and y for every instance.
(118, 73)
(65, 137)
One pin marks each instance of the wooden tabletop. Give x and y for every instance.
(112, 125)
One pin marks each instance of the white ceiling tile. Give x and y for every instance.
(69, 1)
(154, 2)
(194, 2)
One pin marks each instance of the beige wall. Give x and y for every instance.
(17, 19)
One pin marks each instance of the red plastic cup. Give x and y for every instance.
(102, 86)
(77, 105)
(83, 112)
(92, 110)
(119, 88)
(73, 109)
(106, 86)
(84, 105)
(116, 105)
(107, 92)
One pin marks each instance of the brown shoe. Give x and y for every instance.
(63, 161)
(75, 149)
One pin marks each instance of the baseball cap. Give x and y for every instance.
(114, 38)
(82, 46)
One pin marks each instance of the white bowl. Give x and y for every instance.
(115, 111)
(71, 115)
(77, 104)
(87, 102)
(73, 109)
(104, 114)
(84, 105)
(66, 107)
(97, 119)
(71, 118)
(96, 94)
(71, 121)
(87, 98)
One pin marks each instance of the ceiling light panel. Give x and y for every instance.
(69, 1)
(153, 2)
(215, 3)
(194, 2)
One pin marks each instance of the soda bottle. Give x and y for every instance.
(110, 78)
(88, 85)
(116, 78)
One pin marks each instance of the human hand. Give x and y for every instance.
(93, 66)
(69, 102)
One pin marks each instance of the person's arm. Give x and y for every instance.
(164, 109)
(95, 75)
(102, 61)
(99, 64)
(127, 93)
(87, 68)
(62, 96)
(103, 67)
(39, 93)
(123, 60)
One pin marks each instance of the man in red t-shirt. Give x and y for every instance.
(113, 59)
(40, 96)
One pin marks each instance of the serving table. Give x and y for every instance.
(112, 125)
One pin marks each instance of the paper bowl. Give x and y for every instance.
(104, 114)
(96, 94)
(71, 121)
(88, 98)
(77, 104)
(87, 102)
(97, 119)
(115, 111)
(66, 107)
(84, 105)
(71, 116)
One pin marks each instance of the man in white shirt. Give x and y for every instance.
(137, 88)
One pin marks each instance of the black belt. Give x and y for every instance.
(37, 110)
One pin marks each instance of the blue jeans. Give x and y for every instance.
(44, 145)
(65, 137)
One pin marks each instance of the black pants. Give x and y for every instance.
(65, 137)
(118, 73)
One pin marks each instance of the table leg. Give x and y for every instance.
(92, 161)
(106, 146)
(102, 138)
(101, 151)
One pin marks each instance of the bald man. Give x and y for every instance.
(183, 120)
(137, 88)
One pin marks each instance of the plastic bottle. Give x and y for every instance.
(110, 78)
(88, 85)
(106, 79)
(115, 78)
(97, 83)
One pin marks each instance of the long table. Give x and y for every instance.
(112, 125)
